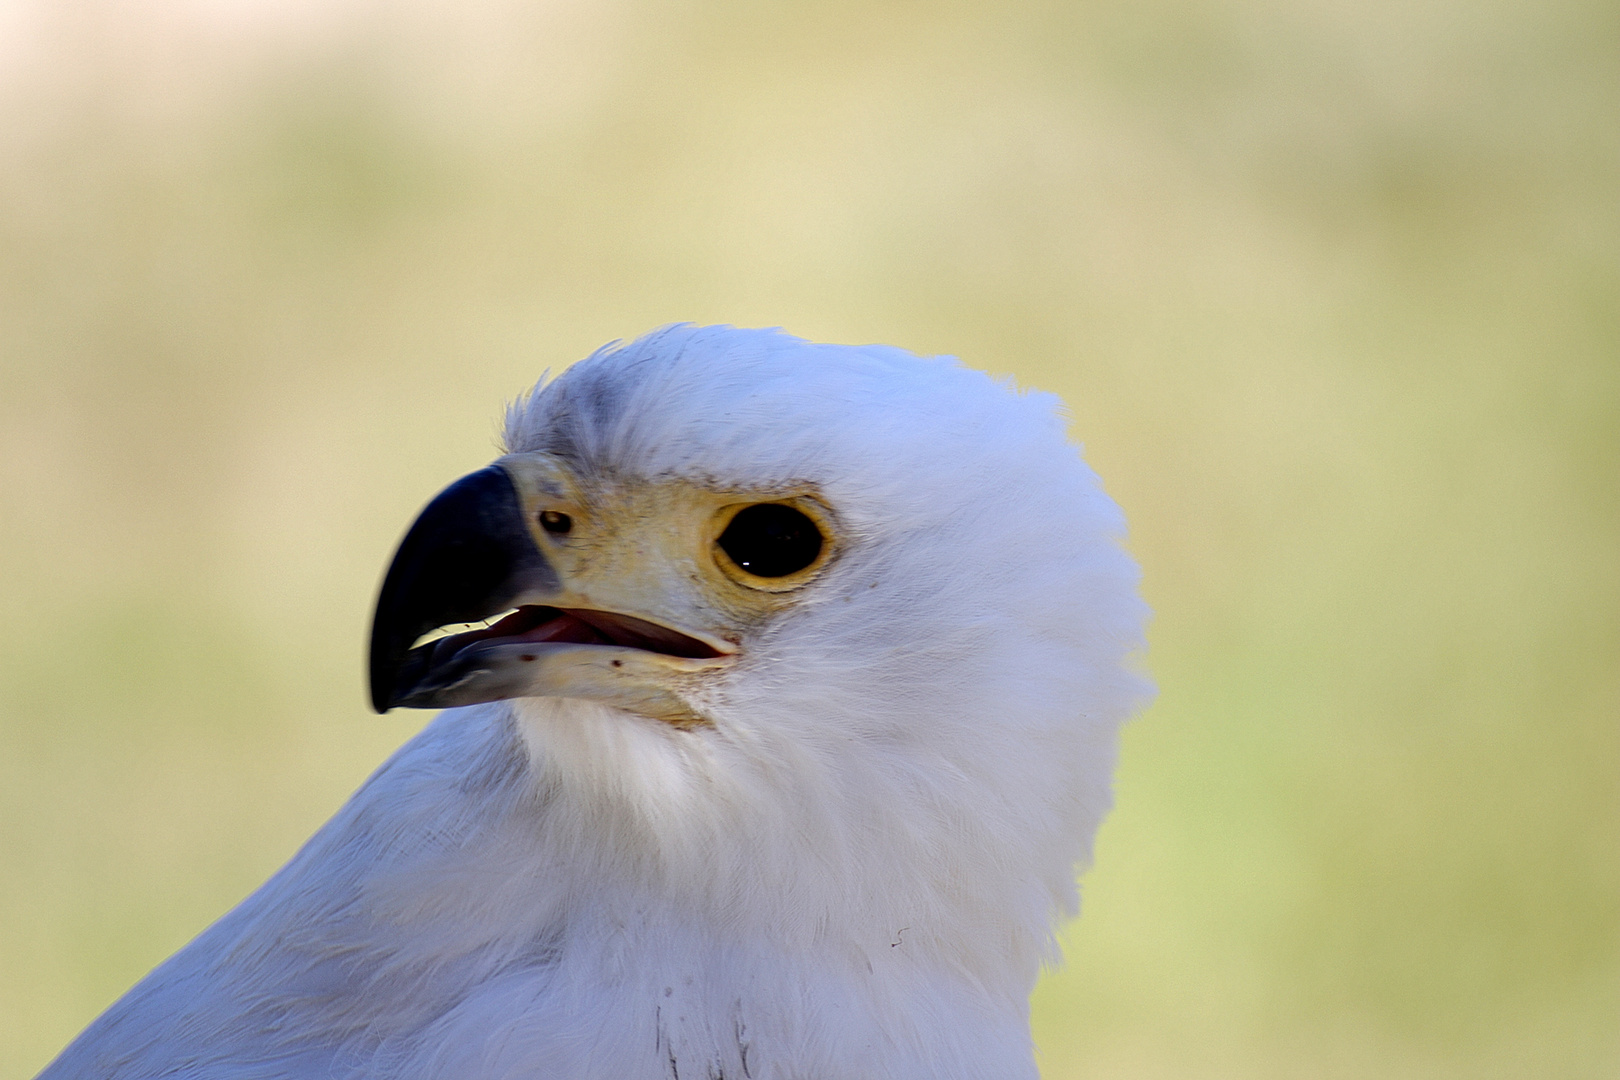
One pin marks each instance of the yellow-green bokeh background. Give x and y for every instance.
(1332, 290)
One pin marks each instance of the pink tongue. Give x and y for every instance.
(562, 628)
(541, 624)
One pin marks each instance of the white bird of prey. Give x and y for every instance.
(778, 765)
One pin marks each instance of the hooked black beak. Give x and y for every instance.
(468, 556)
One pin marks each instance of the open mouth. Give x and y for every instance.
(540, 625)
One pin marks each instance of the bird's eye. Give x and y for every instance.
(770, 540)
(555, 521)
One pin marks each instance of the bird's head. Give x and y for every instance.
(844, 594)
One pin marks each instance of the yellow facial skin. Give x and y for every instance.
(650, 551)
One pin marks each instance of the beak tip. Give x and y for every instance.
(379, 685)
(468, 555)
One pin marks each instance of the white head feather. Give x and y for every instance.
(853, 871)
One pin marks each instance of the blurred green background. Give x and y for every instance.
(1332, 290)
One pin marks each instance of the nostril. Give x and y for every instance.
(555, 521)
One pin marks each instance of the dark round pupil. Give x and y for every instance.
(771, 540)
(555, 521)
